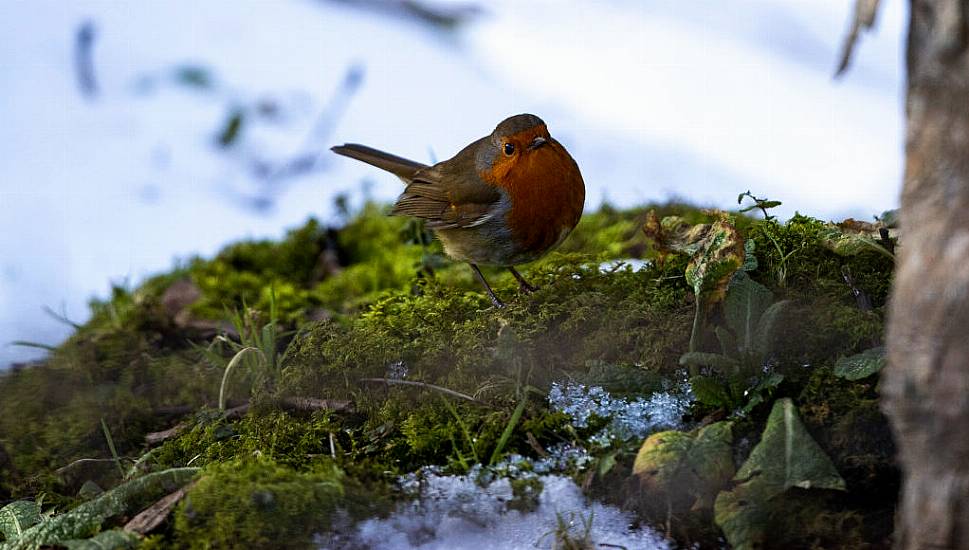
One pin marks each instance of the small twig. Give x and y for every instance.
(314, 404)
(62, 317)
(444, 17)
(861, 298)
(862, 20)
(153, 516)
(415, 383)
(173, 410)
(84, 59)
(80, 461)
(535, 445)
(155, 438)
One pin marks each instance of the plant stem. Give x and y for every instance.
(695, 334)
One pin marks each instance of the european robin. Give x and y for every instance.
(506, 199)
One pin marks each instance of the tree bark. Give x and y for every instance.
(926, 385)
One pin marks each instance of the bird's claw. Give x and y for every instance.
(527, 288)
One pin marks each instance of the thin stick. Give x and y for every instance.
(446, 391)
(80, 461)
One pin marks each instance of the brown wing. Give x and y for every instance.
(449, 194)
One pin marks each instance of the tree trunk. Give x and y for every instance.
(926, 385)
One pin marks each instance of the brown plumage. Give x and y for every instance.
(505, 199)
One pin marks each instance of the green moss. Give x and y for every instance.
(51, 414)
(525, 493)
(243, 273)
(805, 519)
(442, 336)
(283, 438)
(793, 255)
(611, 233)
(392, 307)
(431, 433)
(850, 426)
(258, 503)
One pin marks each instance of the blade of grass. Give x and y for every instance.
(26, 344)
(236, 359)
(270, 335)
(114, 451)
(464, 430)
(461, 460)
(509, 429)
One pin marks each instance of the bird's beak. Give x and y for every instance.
(536, 143)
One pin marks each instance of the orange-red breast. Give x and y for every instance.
(506, 199)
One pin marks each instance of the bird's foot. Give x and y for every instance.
(491, 293)
(527, 288)
(523, 285)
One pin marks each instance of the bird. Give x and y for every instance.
(506, 199)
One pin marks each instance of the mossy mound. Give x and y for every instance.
(365, 355)
(259, 503)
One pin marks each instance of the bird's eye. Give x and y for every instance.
(509, 149)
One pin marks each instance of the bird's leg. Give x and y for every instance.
(522, 283)
(491, 293)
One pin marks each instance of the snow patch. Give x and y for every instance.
(454, 512)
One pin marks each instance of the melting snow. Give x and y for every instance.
(627, 419)
(473, 511)
(454, 513)
(636, 264)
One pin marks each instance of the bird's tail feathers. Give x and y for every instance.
(400, 167)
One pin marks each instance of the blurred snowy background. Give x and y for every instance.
(135, 133)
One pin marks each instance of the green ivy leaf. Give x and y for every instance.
(743, 308)
(742, 514)
(686, 469)
(861, 365)
(85, 519)
(764, 334)
(116, 539)
(17, 517)
(851, 242)
(787, 456)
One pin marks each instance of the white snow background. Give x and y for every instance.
(696, 99)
